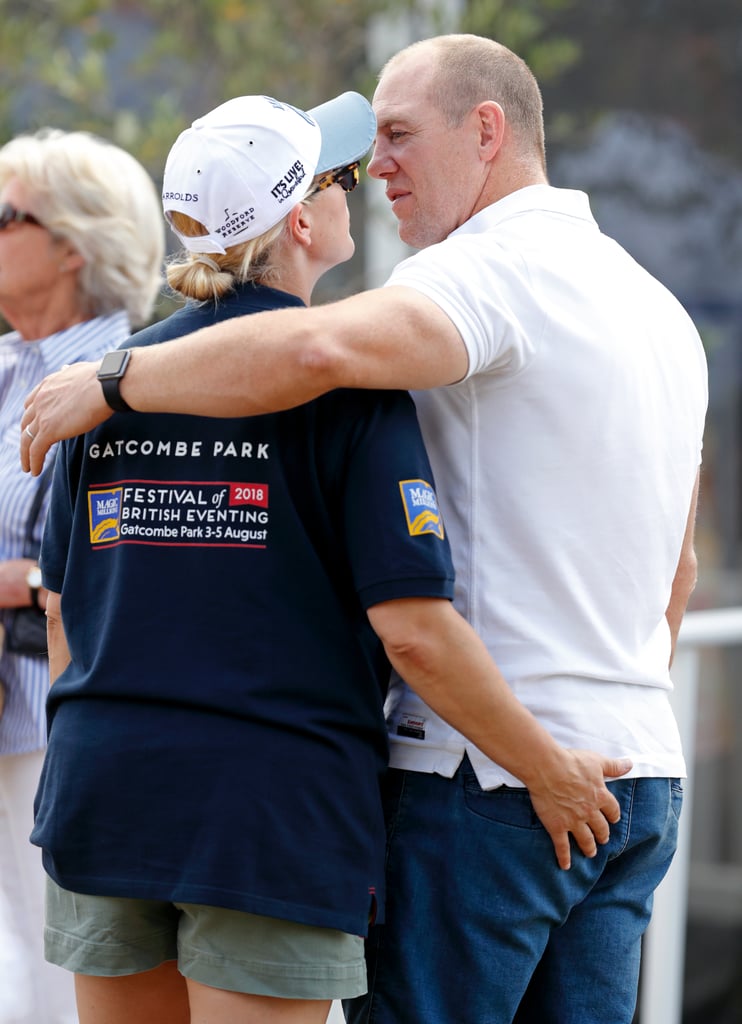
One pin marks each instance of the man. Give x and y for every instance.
(562, 399)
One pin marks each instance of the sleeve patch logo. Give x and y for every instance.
(421, 508)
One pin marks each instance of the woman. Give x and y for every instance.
(210, 798)
(81, 248)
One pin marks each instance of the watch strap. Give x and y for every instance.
(112, 368)
(112, 394)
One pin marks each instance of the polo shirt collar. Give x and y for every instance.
(532, 199)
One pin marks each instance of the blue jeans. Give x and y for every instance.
(483, 927)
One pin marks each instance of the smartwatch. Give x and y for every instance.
(110, 372)
(33, 579)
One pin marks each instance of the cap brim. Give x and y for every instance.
(348, 127)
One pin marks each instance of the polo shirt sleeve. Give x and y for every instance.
(57, 535)
(484, 293)
(393, 528)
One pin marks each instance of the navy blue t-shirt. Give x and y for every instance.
(218, 736)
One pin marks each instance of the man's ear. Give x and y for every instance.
(300, 224)
(491, 127)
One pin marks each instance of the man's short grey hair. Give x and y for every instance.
(470, 69)
(101, 200)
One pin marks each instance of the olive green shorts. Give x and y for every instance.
(228, 949)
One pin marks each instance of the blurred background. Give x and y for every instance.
(642, 104)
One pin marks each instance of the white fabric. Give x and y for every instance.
(31, 990)
(242, 167)
(565, 464)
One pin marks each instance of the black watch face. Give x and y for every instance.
(113, 363)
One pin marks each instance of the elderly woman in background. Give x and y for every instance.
(81, 251)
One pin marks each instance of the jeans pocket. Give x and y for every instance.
(505, 805)
(676, 797)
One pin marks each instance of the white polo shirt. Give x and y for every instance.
(565, 463)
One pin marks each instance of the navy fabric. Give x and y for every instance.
(218, 737)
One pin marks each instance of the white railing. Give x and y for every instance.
(663, 963)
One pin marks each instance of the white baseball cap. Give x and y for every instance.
(242, 167)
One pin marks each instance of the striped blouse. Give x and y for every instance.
(22, 365)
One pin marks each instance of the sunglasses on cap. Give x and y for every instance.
(346, 177)
(9, 215)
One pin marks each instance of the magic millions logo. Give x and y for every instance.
(104, 508)
(421, 508)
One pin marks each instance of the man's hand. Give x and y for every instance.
(572, 798)
(64, 404)
(441, 657)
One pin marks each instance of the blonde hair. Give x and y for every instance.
(249, 261)
(102, 201)
(470, 69)
(192, 275)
